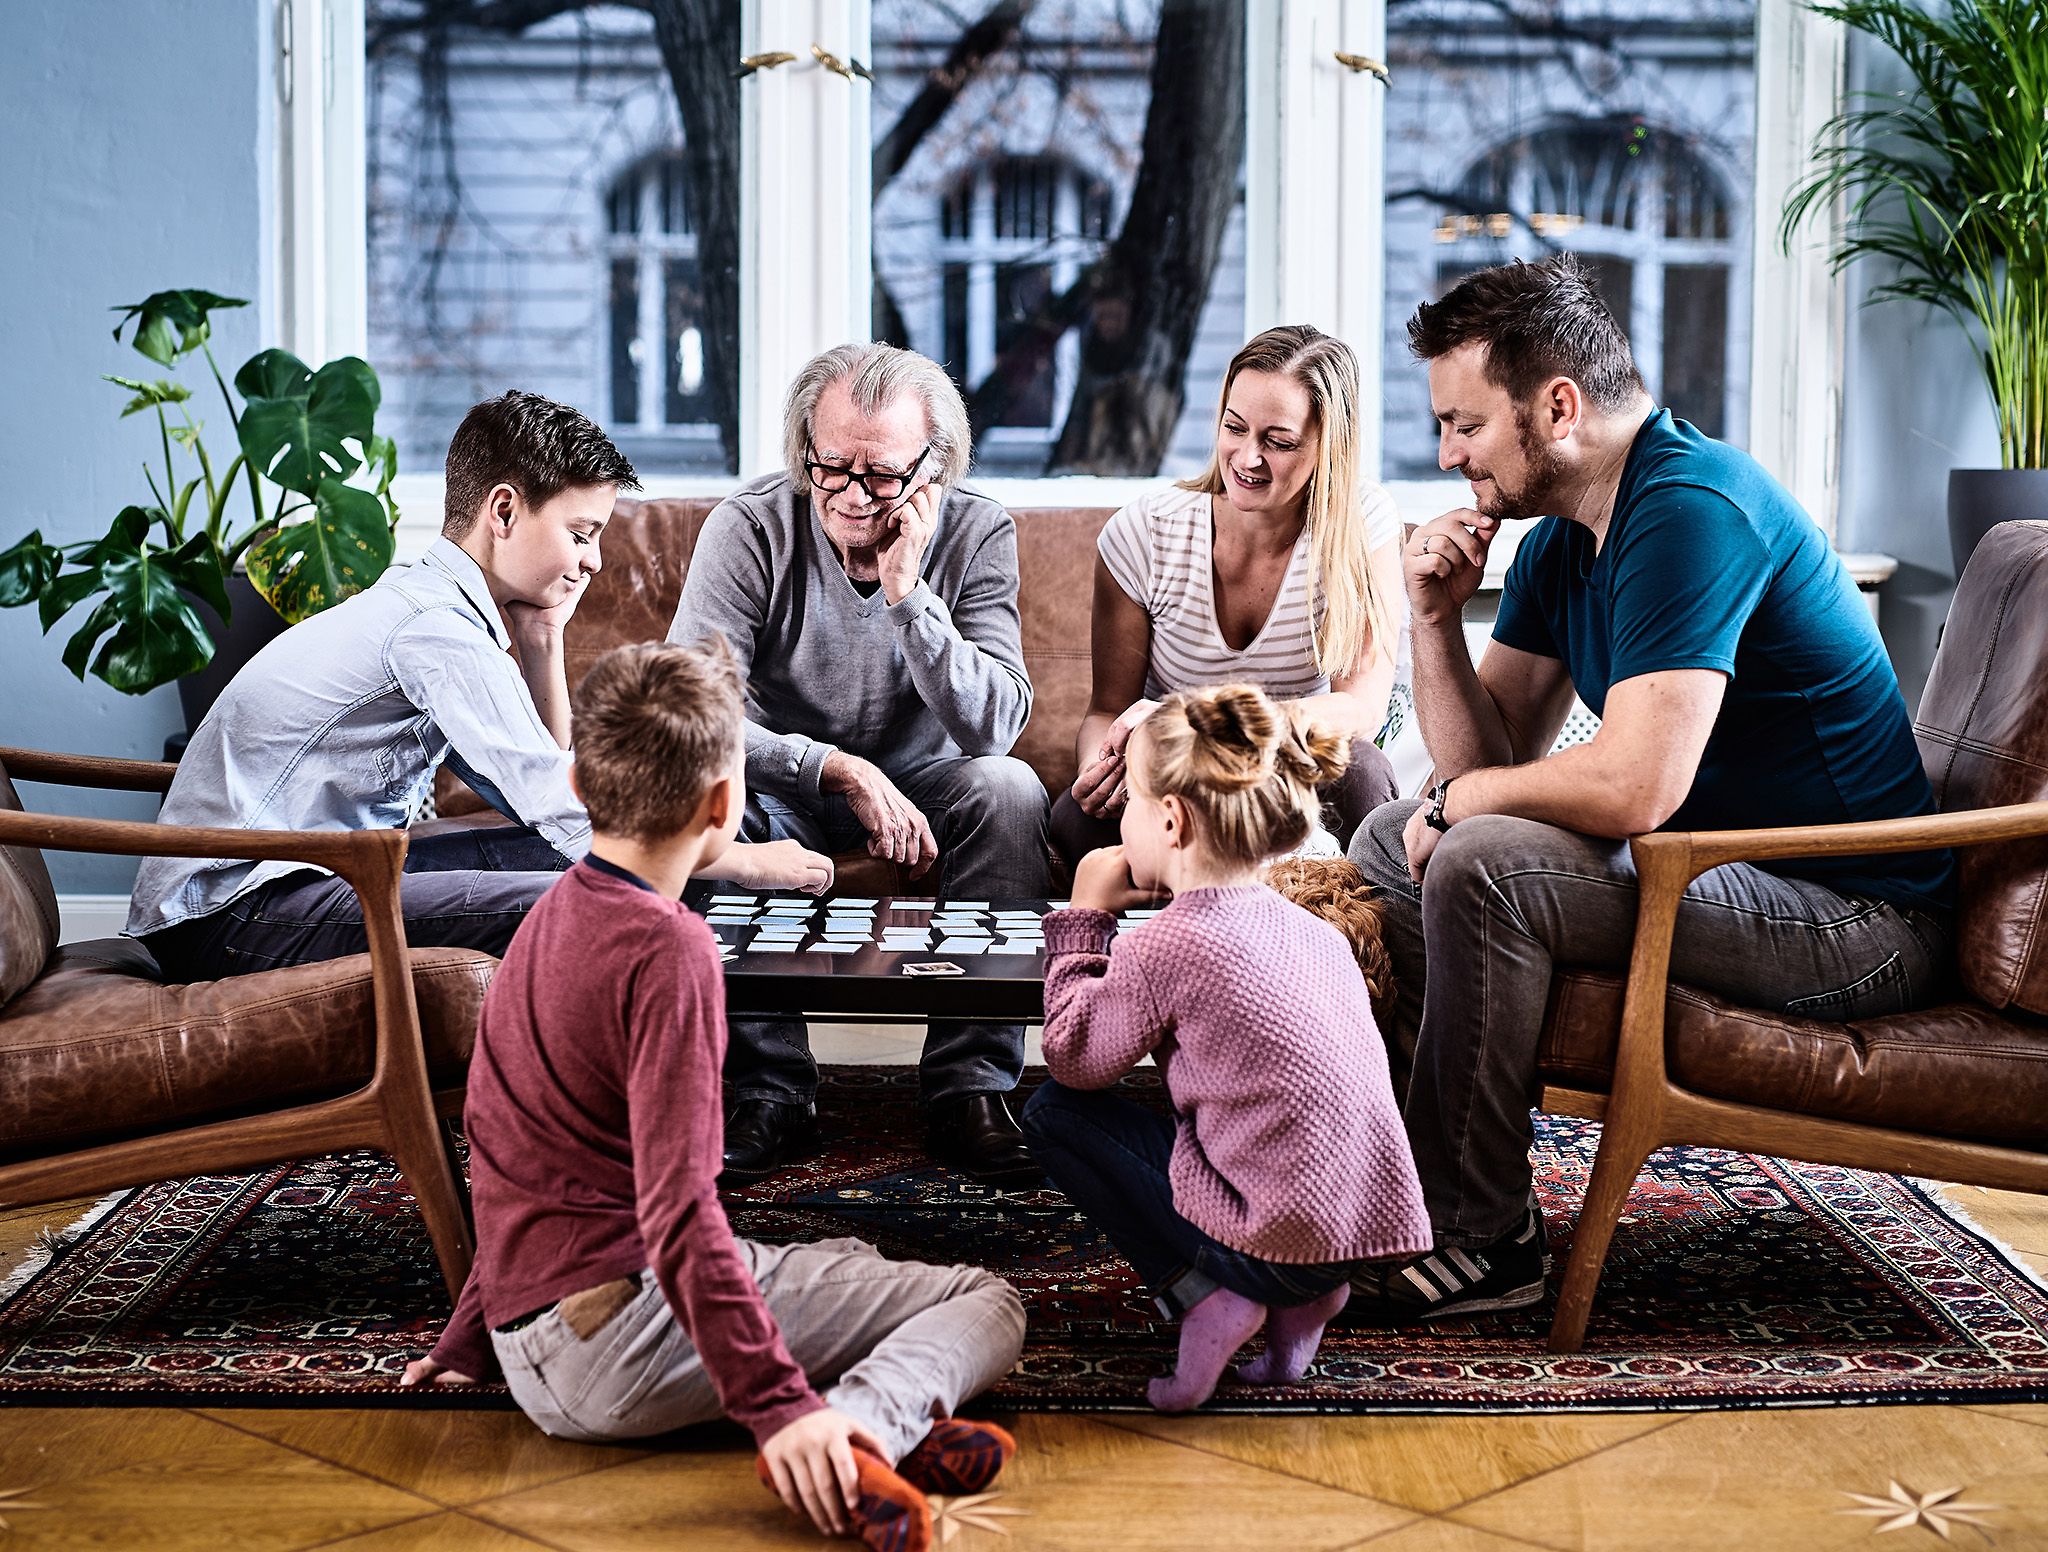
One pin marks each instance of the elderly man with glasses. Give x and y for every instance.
(872, 604)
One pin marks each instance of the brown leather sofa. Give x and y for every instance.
(1956, 1092)
(647, 552)
(111, 1078)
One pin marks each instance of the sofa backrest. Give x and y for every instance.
(647, 550)
(28, 907)
(1983, 731)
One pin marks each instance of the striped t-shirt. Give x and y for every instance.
(1158, 550)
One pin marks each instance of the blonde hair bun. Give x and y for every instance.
(1245, 767)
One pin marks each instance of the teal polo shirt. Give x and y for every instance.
(1710, 563)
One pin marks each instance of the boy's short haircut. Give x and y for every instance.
(655, 725)
(1537, 321)
(538, 447)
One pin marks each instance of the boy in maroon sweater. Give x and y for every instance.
(608, 1285)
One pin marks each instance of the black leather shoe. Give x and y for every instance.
(762, 1135)
(978, 1134)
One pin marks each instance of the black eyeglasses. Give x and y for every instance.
(879, 484)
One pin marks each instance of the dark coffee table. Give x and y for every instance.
(848, 957)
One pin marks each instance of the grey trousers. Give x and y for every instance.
(892, 1344)
(461, 889)
(1503, 900)
(988, 815)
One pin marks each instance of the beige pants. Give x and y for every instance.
(892, 1344)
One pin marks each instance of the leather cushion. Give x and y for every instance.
(28, 908)
(1983, 731)
(1056, 596)
(97, 1048)
(1956, 1071)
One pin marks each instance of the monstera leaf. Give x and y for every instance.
(343, 548)
(300, 438)
(274, 374)
(148, 395)
(145, 628)
(28, 569)
(172, 323)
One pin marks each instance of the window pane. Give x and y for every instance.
(1623, 136)
(1696, 344)
(625, 336)
(1088, 293)
(544, 202)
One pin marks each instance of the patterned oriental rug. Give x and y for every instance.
(1735, 1281)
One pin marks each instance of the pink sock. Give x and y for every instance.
(1210, 1335)
(1292, 1337)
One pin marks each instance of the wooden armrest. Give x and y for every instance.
(346, 852)
(1923, 832)
(88, 770)
(1667, 861)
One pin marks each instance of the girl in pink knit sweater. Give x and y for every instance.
(1284, 1163)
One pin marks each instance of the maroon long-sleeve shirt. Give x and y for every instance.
(596, 1136)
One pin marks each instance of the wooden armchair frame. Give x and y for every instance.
(1644, 1110)
(394, 1111)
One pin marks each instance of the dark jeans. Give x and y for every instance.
(1110, 1156)
(1505, 900)
(988, 816)
(463, 889)
(1367, 782)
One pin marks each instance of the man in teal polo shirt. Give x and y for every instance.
(1684, 596)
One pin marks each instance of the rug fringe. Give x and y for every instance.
(1938, 1191)
(50, 1243)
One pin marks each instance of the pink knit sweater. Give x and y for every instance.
(1289, 1145)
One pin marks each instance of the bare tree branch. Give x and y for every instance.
(482, 15)
(996, 31)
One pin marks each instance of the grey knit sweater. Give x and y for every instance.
(936, 676)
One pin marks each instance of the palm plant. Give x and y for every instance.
(1949, 183)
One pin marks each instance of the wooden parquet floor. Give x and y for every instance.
(167, 1478)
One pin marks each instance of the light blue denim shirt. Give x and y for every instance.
(340, 722)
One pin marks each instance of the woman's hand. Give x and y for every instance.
(1120, 731)
(1103, 882)
(810, 1461)
(1100, 789)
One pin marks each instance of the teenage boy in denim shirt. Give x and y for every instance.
(340, 723)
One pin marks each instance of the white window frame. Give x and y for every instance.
(1314, 171)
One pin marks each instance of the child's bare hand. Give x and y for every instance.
(1103, 882)
(425, 1371)
(811, 1464)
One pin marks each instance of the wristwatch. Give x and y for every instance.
(1435, 817)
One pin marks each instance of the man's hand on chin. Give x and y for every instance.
(899, 556)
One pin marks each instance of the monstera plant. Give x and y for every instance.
(319, 520)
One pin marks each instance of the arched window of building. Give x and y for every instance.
(1655, 224)
(656, 303)
(1014, 233)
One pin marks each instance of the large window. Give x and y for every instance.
(539, 218)
(1524, 130)
(1081, 207)
(1058, 216)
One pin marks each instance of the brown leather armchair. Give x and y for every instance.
(112, 1078)
(1957, 1092)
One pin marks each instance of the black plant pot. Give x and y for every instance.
(1980, 499)
(254, 626)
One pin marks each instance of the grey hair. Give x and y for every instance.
(877, 375)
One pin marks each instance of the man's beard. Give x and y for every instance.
(1542, 478)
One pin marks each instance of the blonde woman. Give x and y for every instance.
(1274, 568)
